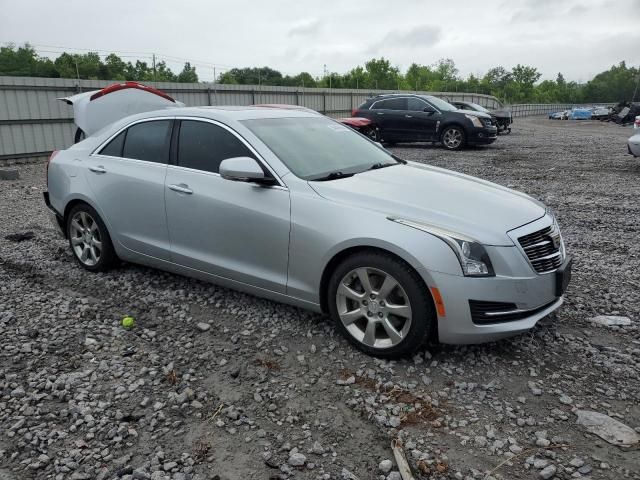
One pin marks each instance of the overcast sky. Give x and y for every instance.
(577, 38)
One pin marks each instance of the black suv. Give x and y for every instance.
(424, 118)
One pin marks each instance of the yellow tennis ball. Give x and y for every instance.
(127, 322)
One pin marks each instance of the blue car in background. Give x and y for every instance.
(579, 114)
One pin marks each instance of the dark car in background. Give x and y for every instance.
(424, 118)
(502, 117)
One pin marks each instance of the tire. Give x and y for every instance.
(79, 136)
(89, 239)
(372, 133)
(453, 138)
(387, 324)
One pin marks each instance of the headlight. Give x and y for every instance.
(474, 259)
(475, 120)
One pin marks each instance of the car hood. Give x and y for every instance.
(501, 113)
(476, 208)
(474, 112)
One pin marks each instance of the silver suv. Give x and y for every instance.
(295, 207)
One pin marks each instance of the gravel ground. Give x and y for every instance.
(215, 384)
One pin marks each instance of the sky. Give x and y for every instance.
(577, 38)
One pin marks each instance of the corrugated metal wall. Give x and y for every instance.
(33, 122)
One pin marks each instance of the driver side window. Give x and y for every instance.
(203, 145)
(417, 105)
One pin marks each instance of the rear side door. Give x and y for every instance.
(388, 114)
(127, 177)
(235, 230)
(420, 120)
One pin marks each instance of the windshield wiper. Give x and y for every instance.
(379, 165)
(333, 176)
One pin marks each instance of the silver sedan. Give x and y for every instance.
(292, 206)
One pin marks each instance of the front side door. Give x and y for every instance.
(420, 120)
(235, 230)
(127, 180)
(389, 114)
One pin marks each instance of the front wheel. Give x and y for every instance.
(89, 239)
(453, 138)
(380, 304)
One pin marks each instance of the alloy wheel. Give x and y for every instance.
(85, 238)
(373, 134)
(452, 138)
(373, 307)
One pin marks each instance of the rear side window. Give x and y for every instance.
(391, 104)
(114, 147)
(203, 145)
(148, 141)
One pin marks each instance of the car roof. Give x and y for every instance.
(231, 112)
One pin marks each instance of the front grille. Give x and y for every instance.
(487, 122)
(484, 313)
(543, 249)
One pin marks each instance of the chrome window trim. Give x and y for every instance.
(96, 151)
(426, 102)
(259, 158)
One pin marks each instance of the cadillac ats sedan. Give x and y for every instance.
(293, 206)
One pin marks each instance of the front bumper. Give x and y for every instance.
(55, 218)
(536, 294)
(482, 136)
(484, 309)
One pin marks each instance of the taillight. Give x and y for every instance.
(53, 154)
(354, 112)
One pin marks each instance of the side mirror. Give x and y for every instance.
(242, 169)
(428, 110)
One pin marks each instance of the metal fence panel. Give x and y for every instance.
(33, 122)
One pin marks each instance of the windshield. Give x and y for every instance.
(314, 147)
(478, 108)
(439, 103)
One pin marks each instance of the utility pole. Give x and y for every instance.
(75, 58)
(636, 90)
(215, 91)
(154, 67)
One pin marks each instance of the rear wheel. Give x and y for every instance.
(380, 304)
(372, 132)
(453, 138)
(89, 239)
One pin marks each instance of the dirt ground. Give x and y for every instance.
(215, 384)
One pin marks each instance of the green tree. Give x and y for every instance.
(188, 74)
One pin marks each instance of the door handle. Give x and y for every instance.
(380, 113)
(182, 188)
(98, 169)
(408, 116)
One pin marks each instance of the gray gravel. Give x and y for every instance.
(215, 384)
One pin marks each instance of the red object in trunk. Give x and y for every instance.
(355, 122)
(122, 86)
